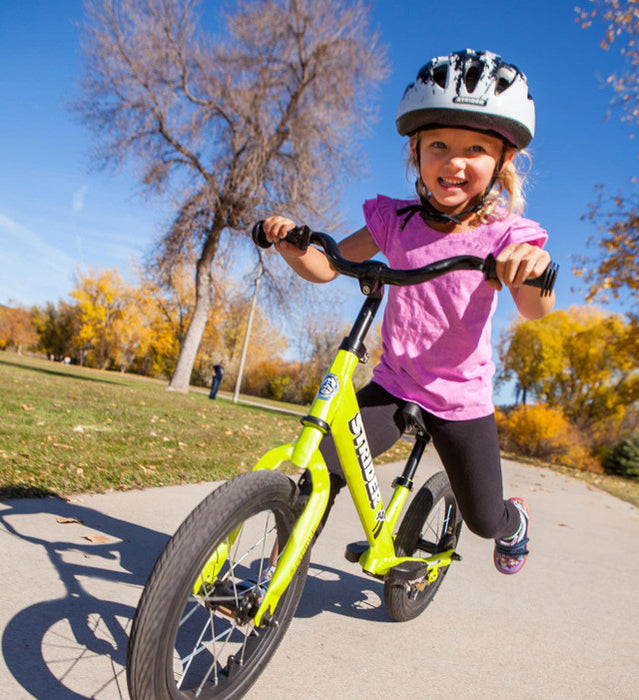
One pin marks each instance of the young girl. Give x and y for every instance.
(467, 115)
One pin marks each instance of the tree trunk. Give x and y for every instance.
(181, 379)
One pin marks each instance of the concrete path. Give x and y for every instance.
(566, 627)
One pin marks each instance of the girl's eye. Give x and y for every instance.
(438, 144)
(477, 149)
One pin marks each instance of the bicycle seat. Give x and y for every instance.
(413, 420)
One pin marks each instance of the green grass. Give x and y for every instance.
(67, 430)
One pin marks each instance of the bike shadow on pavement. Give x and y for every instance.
(70, 640)
(330, 589)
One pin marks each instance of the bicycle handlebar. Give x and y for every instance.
(373, 274)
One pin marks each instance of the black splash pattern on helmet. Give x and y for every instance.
(470, 68)
(479, 78)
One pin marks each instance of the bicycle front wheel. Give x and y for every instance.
(432, 524)
(193, 634)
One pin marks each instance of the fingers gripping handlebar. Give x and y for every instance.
(373, 274)
(545, 282)
(300, 236)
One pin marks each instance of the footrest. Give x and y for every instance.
(408, 571)
(354, 551)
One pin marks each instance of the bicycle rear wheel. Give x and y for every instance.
(432, 524)
(193, 635)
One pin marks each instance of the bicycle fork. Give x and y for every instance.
(335, 395)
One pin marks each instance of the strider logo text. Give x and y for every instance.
(365, 460)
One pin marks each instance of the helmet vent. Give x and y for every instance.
(504, 78)
(440, 75)
(473, 74)
(502, 84)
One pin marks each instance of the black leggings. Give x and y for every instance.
(469, 450)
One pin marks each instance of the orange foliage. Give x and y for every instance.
(16, 328)
(544, 433)
(271, 378)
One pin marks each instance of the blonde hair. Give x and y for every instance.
(507, 193)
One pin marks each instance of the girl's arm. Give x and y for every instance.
(311, 264)
(516, 263)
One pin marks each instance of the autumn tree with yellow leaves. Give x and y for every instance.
(137, 327)
(582, 361)
(17, 331)
(111, 327)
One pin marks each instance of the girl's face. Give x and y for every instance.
(457, 165)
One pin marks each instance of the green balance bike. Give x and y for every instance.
(222, 594)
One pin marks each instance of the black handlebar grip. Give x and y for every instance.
(299, 236)
(544, 282)
(259, 237)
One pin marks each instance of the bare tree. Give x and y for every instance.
(261, 116)
(612, 271)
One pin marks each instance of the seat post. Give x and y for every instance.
(408, 475)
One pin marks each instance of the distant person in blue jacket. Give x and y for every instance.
(218, 373)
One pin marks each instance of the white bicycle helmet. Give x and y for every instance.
(473, 89)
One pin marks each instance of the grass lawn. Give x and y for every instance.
(68, 429)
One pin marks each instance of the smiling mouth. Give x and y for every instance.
(446, 182)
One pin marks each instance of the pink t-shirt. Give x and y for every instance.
(436, 346)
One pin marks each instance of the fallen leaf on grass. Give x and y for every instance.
(96, 539)
(66, 521)
(27, 408)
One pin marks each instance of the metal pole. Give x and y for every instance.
(240, 371)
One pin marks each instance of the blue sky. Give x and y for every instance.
(57, 214)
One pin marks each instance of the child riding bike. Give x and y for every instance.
(467, 116)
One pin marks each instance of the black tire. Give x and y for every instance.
(187, 644)
(432, 524)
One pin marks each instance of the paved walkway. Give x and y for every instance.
(566, 627)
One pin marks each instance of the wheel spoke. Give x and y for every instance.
(197, 649)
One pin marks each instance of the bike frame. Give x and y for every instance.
(335, 409)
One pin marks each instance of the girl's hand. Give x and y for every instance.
(276, 228)
(518, 262)
(310, 264)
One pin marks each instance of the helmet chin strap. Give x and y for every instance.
(429, 212)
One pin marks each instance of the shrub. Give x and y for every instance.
(544, 433)
(276, 387)
(623, 459)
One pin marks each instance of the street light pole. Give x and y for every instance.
(240, 371)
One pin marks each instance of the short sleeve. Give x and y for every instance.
(380, 214)
(522, 230)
